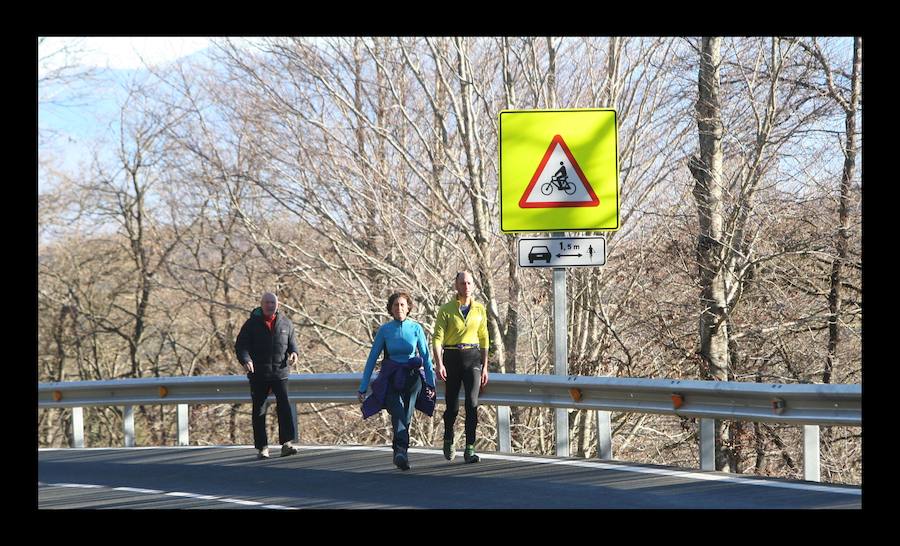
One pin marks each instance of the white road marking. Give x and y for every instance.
(170, 494)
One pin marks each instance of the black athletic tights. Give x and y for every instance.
(463, 368)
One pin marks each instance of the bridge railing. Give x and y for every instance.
(807, 405)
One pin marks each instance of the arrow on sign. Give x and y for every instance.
(570, 255)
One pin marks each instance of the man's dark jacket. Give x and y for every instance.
(267, 350)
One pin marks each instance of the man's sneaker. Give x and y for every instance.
(469, 454)
(288, 449)
(449, 452)
(263, 453)
(401, 461)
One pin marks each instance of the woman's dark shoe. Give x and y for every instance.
(401, 461)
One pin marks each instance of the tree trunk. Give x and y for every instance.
(511, 331)
(842, 243)
(707, 171)
(475, 171)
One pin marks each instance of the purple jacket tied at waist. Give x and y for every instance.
(387, 376)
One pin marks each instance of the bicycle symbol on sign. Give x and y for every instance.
(559, 181)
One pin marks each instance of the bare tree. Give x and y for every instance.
(336, 170)
(850, 106)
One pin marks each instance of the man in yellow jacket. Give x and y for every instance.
(461, 353)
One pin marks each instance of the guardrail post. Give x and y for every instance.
(77, 427)
(183, 425)
(604, 436)
(707, 444)
(811, 470)
(503, 441)
(296, 437)
(128, 423)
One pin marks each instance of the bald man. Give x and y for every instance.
(461, 352)
(267, 348)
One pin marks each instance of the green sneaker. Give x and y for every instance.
(449, 452)
(469, 454)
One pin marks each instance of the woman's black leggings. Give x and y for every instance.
(463, 368)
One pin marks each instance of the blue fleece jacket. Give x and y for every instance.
(401, 339)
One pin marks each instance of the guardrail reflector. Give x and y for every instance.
(57, 395)
(575, 394)
(163, 392)
(677, 400)
(778, 405)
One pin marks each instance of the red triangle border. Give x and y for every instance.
(557, 139)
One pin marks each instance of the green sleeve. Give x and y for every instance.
(440, 325)
(482, 331)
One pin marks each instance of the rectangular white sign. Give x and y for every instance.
(562, 251)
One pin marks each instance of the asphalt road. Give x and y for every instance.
(358, 477)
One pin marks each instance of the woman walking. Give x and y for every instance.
(405, 381)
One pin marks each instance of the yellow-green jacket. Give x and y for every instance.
(451, 328)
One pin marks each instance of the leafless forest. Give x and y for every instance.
(337, 170)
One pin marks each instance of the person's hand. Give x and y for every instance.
(292, 359)
(249, 366)
(442, 372)
(484, 377)
(361, 396)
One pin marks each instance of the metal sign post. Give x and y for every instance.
(560, 351)
(559, 172)
(560, 252)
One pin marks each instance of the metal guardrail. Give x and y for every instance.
(810, 405)
(796, 404)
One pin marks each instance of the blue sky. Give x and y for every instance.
(118, 52)
(75, 115)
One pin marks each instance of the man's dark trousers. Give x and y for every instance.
(463, 369)
(259, 391)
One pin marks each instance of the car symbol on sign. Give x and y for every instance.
(539, 253)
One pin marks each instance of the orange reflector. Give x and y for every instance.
(57, 396)
(163, 392)
(575, 394)
(778, 405)
(677, 400)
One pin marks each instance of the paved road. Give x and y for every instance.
(362, 477)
